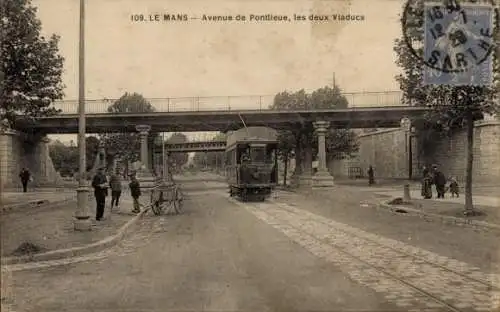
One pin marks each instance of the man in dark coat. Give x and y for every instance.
(100, 185)
(25, 176)
(371, 176)
(439, 181)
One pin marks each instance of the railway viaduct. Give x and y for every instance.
(27, 144)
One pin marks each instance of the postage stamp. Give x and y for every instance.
(457, 41)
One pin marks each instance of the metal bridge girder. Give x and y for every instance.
(209, 146)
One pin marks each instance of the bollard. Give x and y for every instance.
(406, 192)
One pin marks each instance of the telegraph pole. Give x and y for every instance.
(82, 221)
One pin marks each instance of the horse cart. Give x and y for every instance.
(166, 197)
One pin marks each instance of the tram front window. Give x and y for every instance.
(258, 154)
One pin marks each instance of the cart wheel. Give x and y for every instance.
(177, 201)
(156, 208)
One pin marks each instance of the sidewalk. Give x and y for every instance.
(397, 185)
(52, 228)
(18, 198)
(449, 210)
(489, 201)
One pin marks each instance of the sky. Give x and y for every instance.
(197, 58)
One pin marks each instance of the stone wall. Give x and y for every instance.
(16, 152)
(385, 151)
(11, 157)
(450, 154)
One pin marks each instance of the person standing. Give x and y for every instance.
(426, 191)
(439, 181)
(135, 191)
(115, 182)
(371, 176)
(25, 176)
(99, 183)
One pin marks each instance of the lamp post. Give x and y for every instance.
(164, 164)
(410, 152)
(82, 218)
(406, 126)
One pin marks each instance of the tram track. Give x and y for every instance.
(489, 284)
(436, 287)
(381, 270)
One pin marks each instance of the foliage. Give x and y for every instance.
(131, 103)
(66, 158)
(341, 143)
(127, 145)
(177, 160)
(286, 145)
(91, 149)
(31, 67)
(303, 134)
(210, 159)
(453, 107)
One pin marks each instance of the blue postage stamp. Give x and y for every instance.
(458, 44)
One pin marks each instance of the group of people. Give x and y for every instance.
(101, 186)
(430, 177)
(436, 177)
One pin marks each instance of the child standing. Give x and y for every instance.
(453, 187)
(116, 189)
(135, 191)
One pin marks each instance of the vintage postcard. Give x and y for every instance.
(250, 155)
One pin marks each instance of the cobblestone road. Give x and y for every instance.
(412, 278)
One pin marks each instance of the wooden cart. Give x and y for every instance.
(166, 197)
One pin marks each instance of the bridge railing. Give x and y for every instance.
(228, 103)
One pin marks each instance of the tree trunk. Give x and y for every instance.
(470, 157)
(286, 169)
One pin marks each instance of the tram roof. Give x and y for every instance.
(250, 141)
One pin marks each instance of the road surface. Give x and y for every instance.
(224, 255)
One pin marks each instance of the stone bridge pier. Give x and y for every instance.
(18, 150)
(303, 175)
(144, 174)
(322, 178)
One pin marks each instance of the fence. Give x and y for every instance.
(228, 103)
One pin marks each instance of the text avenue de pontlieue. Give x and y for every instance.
(247, 18)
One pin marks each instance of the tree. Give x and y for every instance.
(453, 107)
(131, 103)
(31, 67)
(91, 149)
(126, 146)
(177, 160)
(338, 141)
(286, 148)
(66, 158)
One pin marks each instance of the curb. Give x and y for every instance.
(105, 243)
(443, 219)
(33, 204)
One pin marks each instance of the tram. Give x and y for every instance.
(252, 163)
